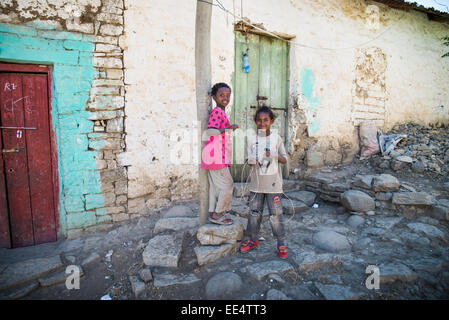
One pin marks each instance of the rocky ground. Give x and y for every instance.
(344, 226)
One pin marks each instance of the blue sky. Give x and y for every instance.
(440, 5)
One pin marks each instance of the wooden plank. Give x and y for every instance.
(39, 158)
(16, 168)
(5, 236)
(252, 92)
(265, 70)
(240, 100)
(276, 74)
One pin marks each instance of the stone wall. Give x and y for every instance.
(80, 41)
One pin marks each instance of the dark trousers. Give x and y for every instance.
(256, 205)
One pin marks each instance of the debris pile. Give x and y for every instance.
(425, 149)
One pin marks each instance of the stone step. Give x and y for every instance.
(26, 271)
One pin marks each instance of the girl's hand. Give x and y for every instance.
(234, 126)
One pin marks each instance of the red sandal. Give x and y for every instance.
(223, 220)
(248, 245)
(282, 251)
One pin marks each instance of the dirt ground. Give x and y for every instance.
(127, 241)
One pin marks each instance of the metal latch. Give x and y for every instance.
(10, 150)
(18, 128)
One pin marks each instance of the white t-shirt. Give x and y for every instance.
(266, 174)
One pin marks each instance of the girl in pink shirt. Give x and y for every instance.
(217, 156)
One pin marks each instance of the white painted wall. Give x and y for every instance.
(160, 97)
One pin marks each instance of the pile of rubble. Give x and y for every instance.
(366, 194)
(426, 149)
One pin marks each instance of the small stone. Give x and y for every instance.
(385, 183)
(145, 275)
(418, 167)
(137, 286)
(355, 221)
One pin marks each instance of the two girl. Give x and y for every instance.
(265, 153)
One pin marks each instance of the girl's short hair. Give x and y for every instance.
(264, 109)
(218, 86)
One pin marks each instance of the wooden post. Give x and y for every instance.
(202, 85)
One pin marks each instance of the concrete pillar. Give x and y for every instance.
(203, 84)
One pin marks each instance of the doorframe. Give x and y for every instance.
(43, 69)
(243, 27)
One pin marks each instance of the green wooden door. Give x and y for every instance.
(265, 84)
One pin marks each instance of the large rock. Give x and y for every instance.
(170, 279)
(175, 224)
(413, 199)
(357, 201)
(310, 261)
(338, 292)
(293, 206)
(363, 181)
(214, 234)
(440, 210)
(21, 272)
(208, 254)
(305, 196)
(427, 229)
(179, 211)
(262, 269)
(390, 272)
(163, 251)
(332, 241)
(385, 183)
(223, 285)
(336, 187)
(274, 294)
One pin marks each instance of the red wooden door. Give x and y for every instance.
(27, 211)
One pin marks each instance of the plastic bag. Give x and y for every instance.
(387, 143)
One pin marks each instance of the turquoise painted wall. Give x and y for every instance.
(70, 56)
(307, 81)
